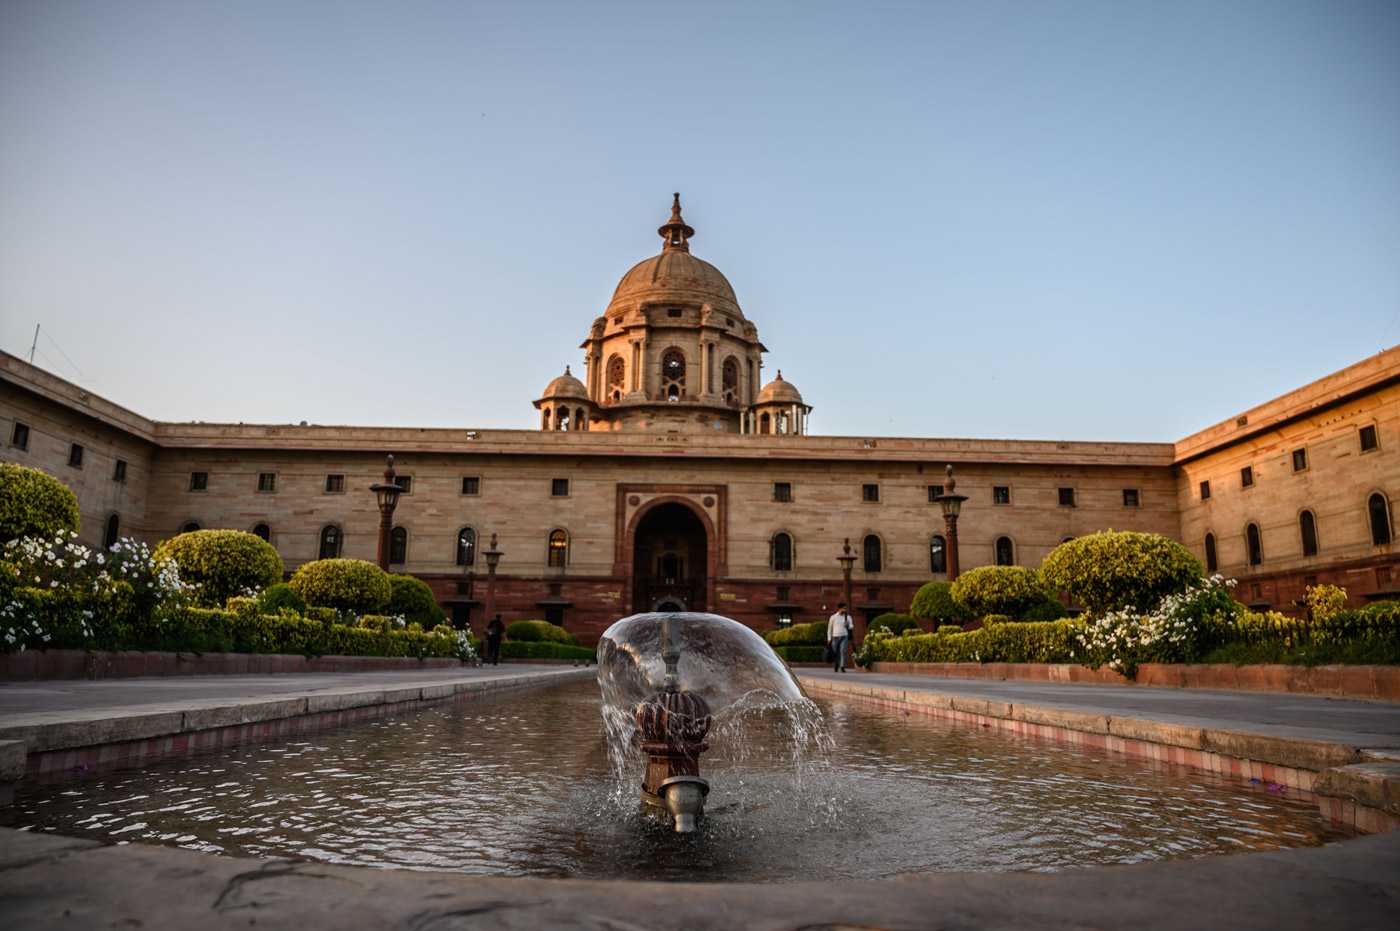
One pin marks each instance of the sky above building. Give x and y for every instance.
(1036, 220)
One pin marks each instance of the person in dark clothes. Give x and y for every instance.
(494, 632)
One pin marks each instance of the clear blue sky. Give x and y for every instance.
(1065, 220)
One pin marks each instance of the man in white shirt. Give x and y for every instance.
(838, 634)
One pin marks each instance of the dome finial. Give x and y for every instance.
(675, 231)
(566, 371)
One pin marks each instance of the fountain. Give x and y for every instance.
(664, 676)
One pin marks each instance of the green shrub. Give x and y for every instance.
(344, 584)
(538, 632)
(949, 629)
(322, 615)
(798, 653)
(1324, 601)
(811, 634)
(222, 563)
(412, 599)
(280, 597)
(1115, 570)
(1033, 642)
(897, 623)
(545, 649)
(444, 630)
(1009, 590)
(1047, 610)
(35, 504)
(934, 602)
(380, 622)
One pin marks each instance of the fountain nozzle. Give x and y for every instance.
(672, 725)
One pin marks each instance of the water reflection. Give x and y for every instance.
(521, 785)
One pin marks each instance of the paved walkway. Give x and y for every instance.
(1363, 724)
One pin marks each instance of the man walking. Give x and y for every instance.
(494, 631)
(838, 634)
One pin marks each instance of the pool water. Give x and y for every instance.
(521, 785)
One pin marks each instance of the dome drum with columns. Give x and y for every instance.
(673, 352)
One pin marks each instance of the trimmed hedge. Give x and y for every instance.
(1009, 590)
(812, 634)
(897, 623)
(934, 602)
(222, 563)
(414, 600)
(280, 597)
(1032, 642)
(1118, 569)
(796, 653)
(344, 584)
(538, 632)
(34, 504)
(548, 649)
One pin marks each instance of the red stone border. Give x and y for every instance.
(1373, 682)
(80, 664)
(1344, 812)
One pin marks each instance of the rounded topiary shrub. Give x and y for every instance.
(280, 597)
(897, 623)
(1009, 590)
(343, 584)
(34, 504)
(538, 632)
(934, 602)
(413, 600)
(222, 563)
(1119, 569)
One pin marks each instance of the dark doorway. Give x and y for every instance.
(462, 616)
(554, 614)
(669, 560)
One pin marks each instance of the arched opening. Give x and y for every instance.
(1378, 511)
(765, 424)
(673, 374)
(580, 420)
(669, 560)
(729, 380)
(937, 555)
(782, 552)
(1307, 529)
(112, 534)
(558, 549)
(263, 532)
(873, 552)
(544, 419)
(1005, 552)
(1211, 562)
(561, 419)
(617, 374)
(330, 542)
(398, 546)
(466, 547)
(1254, 544)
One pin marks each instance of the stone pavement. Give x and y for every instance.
(1360, 724)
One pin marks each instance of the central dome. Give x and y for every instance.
(674, 275)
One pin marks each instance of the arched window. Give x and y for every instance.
(330, 542)
(466, 547)
(544, 419)
(617, 375)
(1378, 510)
(112, 534)
(263, 531)
(873, 553)
(190, 526)
(1211, 562)
(580, 421)
(558, 549)
(1307, 528)
(561, 419)
(398, 546)
(937, 554)
(765, 425)
(729, 380)
(673, 374)
(1005, 552)
(1254, 544)
(782, 552)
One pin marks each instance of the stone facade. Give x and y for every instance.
(712, 495)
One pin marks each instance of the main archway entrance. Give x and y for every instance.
(669, 560)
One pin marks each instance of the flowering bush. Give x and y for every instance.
(1009, 590)
(1325, 601)
(343, 584)
(1119, 570)
(221, 563)
(34, 504)
(413, 599)
(1180, 629)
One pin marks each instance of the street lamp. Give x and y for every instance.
(847, 559)
(386, 493)
(952, 505)
(492, 556)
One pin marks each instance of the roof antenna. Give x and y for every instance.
(34, 345)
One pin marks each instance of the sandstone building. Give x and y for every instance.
(669, 475)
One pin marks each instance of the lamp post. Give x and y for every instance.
(386, 493)
(952, 505)
(493, 559)
(847, 559)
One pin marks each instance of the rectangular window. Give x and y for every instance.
(784, 593)
(75, 456)
(782, 491)
(870, 492)
(199, 481)
(1369, 439)
(335, 484)
(933, 492)
(19, 436)
(1066, 497)
(1205, 491)
(405, 483)
(267, 481)
(1130, 498)
(1001, 494)
(1247, 477)
(1300, 460)
(559, 488)
(673, 311)
(119, 471)
(471, 485)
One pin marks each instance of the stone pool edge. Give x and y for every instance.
(52, 881)
(51, 744)
(1353, 788)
